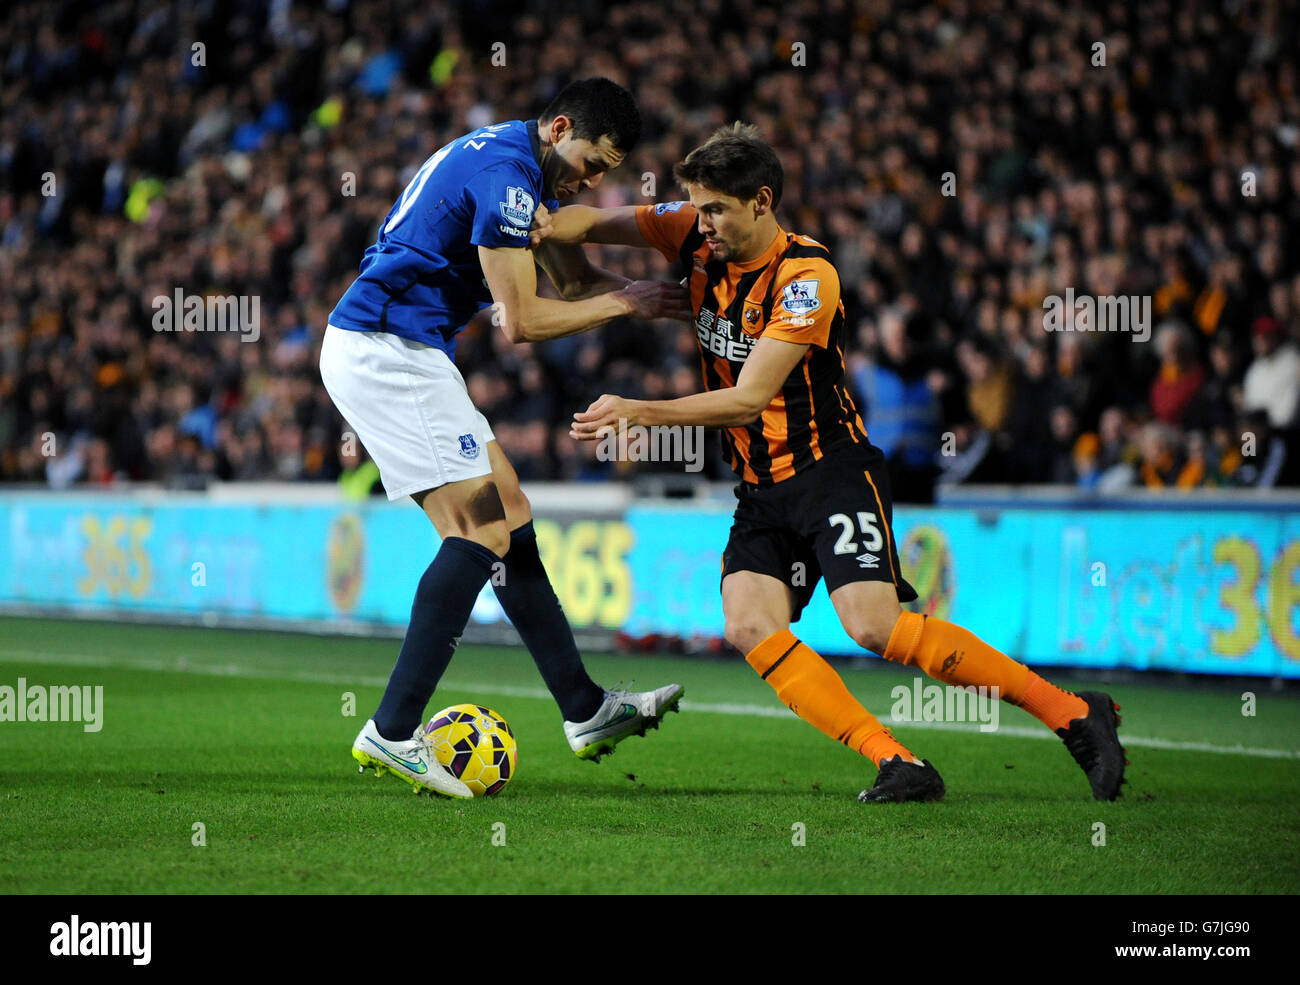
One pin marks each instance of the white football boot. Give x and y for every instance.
(621, 714)
(413, 761)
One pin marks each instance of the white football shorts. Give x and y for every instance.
(409, 406)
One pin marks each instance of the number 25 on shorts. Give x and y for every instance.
(872, 538)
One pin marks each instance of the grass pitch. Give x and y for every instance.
(244, 734)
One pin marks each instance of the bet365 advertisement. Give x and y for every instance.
(1201, 591)
(1205, 591)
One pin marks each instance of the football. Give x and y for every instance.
(476, 744)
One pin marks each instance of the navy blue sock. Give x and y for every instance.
(529, 601)
(443, 602)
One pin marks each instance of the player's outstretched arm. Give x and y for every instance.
(512, 278)
(766, 370)
(584, 224)
(573, 273)
(556, 236)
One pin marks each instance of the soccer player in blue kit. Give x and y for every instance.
(456, 242)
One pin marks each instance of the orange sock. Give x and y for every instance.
(809, 686)
(954, 655)
(1050, 705)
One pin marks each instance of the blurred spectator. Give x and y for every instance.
(972, 459)
(991, 383)
(1086, 460)
(1220, 398)
(1164, 462)
(1266, 460)
(1034, 445)
(1225, 459)
(1180, 378)
(359, 478)
(1065, 437)
(266, 172)
(1272, 382)
(900, 410)
(1118, 452)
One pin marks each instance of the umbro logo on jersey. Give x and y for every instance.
(867, 560)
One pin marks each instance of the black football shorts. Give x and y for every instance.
(832, 521)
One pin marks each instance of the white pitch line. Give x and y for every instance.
(181, 666)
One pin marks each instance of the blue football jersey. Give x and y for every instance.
(422, 279)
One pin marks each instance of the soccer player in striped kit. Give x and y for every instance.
(813, 497)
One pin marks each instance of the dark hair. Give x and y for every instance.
(735, 161)
(598, 108)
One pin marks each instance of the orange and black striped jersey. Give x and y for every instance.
(791, 293)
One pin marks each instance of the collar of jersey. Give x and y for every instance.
(767, 256)
(534, 141)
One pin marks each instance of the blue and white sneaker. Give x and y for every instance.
(621, 714)
(413, 761)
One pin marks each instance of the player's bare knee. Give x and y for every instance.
(745, 631)
(485, 520)
(496, 538)
(871, 630)
(868, 638)
(518, 510)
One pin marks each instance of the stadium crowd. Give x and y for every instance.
(963, 161)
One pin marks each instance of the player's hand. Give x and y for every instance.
(541, 229)
(603, 416)
(651, 299)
